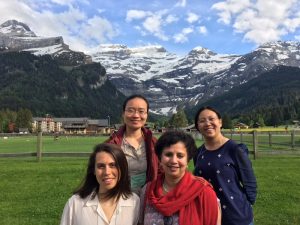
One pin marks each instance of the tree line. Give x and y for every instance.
(12, 121)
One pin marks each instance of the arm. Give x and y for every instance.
(195, 158)
(219, 220)
(67, 216)
(211, 207)
(246, 174)
(142, 205)
(136, 209)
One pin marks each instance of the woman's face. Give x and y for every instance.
(106, 171)
(209, 124)
(174, 160)
(135, 114)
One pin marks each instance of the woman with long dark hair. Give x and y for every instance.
(105, 196)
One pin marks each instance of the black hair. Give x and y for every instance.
(173, 137)
(202, 109)
(90, 183)
(132, 97)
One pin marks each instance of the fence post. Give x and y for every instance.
(270, 139)
(39, 147)
(255, 143)
(293, 139)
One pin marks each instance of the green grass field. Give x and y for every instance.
(35, 193)
(24, 144)
(21, 144)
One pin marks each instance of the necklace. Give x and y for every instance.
(165, 188)
(133, 141)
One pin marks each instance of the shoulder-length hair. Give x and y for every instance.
(200, 111)
(90, 184)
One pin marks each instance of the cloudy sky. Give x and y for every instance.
(228, 26)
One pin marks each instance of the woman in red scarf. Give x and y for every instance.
(178, 197)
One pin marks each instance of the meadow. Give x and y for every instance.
(35, 192)
(23, 144)
(26, 144)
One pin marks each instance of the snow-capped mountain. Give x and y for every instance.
(166, 79)
(17, 36)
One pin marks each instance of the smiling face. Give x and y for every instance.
(135, 113)
(106, 171)
(174, 160)
(209, 124)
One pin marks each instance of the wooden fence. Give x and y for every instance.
(259, 143)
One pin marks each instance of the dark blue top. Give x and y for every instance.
(230, 172)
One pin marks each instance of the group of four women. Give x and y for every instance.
(133, 178)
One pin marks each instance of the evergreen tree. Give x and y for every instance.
(24, 119)
(179, 119)
(227, 122)
(261, 121)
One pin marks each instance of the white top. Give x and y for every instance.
(88, 211)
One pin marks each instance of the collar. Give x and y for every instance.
(122, 202)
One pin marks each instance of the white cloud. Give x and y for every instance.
(153, 25)
(297, 37)
(101, 11)
(260, 21)
(292, 24)
(202, 30)
(77, 30)
(187, 30)
(192, 17)
(136, 15)
(229, 7)
(97, 30)
(181, 3)
(171, 19)
(63, 2)
(182, 36)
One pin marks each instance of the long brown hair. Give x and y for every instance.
(90, 183)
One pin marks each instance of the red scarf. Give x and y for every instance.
(193, 197)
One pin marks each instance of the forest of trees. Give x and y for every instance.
(11, 121)
(44, 86)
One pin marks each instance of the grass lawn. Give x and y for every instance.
(63, 144)
(25, 144)
(35, 193)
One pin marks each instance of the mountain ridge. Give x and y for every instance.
(17, 36)
(275, 96)
(168, 80)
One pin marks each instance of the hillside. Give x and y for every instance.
(43, 85)
(275, 95)
(166, 79)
